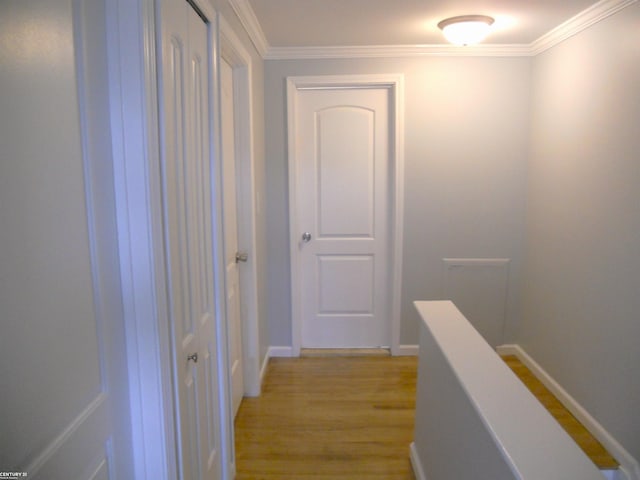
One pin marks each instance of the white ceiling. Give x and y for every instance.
(339, 23)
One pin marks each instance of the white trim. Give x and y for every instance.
(396, 51)
(274, 352)
(574, 25)
(134, 128)
(93, 101)
(251, 25)
(406, 351)
(263, 368)
(239, 59)
(225, 402)
(95, 408)
(397, 212)
(135, 140)
(521, 430)
(85, 110)
(416, 463)
(481, 262)
(613, 475)
(296, 330)
(281, 352)
(583, 20)
(628, 464)
(395, 84)
(227, 432)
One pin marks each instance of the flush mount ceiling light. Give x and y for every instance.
(466, 29)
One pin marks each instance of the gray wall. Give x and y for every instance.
(581, 293)
(465, 158)
(465, 429)
(451, 439)
(62, 346)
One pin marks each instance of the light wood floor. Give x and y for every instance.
(571, 425)
(332, 418)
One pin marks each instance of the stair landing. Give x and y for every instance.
(587, 442)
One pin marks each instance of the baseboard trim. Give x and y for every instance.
(628, 464)
(263, 367)
(400, 350)
(416, 464)
(405, 351)
(273, 352)
(614, 475)
(281, 352)
(344, 352)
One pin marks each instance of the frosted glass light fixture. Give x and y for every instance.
(466, 29)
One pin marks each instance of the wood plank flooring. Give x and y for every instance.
(589, 445)
(335, 418)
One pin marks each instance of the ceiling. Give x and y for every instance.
(312, 28)
(323, 23)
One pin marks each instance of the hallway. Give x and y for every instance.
(329, 418)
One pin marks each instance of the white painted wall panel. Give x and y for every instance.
(49, 350)
(479, 288)
(62, 368)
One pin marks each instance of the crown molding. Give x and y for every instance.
(583, 20)
(387, 51)
(592, 15)
(249, 21)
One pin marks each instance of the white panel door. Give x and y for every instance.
(187, 192)
(230, 219)
(342, 161)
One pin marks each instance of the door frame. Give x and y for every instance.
(395, 84)
(135, 130)
(232, 50)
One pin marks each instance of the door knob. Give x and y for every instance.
(306, 237)
(242, 257)
(194, 357)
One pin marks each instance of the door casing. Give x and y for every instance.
(231, 244)
(395, 84)
(135, 141)
(234, 53)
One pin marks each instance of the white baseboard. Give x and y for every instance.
(281, 352)
(273, 352)
(416, 464)
(405, 350)
(628, 464)
(614, 475)
(263, 367)
(401, 350)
